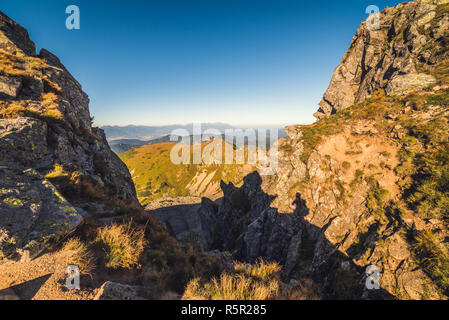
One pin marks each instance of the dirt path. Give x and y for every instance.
(41, 279)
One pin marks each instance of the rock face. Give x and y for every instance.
(412, 35)
(316, 231)
(32, 213)
(44, 121)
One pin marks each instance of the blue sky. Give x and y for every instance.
(251, 62)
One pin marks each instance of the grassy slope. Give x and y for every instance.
(156, 176)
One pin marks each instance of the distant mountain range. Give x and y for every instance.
(122, 139)
(152, 132)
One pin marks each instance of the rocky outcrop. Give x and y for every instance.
(45, 121)
(412, 35)
(322, 234)
(32, 212)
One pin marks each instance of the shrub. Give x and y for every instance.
(123, 245)
(80, 255)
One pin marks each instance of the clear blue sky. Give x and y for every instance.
(249, 62)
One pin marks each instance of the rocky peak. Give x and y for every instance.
(412, 36)
(13, 36)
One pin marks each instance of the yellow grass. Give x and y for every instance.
(123, 245)
(20, 65)
(262, 271)
(58, 172)
(231, 287)
(247, 282)
(80, 256)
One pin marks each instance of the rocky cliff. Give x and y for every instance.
(45, 128)
(412, 36)
(367, 184)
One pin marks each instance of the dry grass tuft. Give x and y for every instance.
(122, 244)
(50, 102)
(247, 282)
(80, 255)
(231, 287)
(262, 271)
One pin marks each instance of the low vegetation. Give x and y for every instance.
(80, 255)
(20, 65)
(433, 256)
(257, 282)
(123, 245)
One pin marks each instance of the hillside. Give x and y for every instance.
(123, 145)
(155, 176)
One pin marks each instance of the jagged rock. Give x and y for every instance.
(410, 37)
(12, 35)
(9, 86)
(323, 233)
(116, 291)
(32, 212)
(181, 217)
